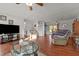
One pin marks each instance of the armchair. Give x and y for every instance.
(60, 37)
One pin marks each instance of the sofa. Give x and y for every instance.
(60, 37)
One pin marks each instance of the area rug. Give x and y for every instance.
(39, 54)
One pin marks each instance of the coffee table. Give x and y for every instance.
(28, 48)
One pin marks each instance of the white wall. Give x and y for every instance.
(17, 21)
(67, 22)
(28, 26)
(61, 22)
(41, 28)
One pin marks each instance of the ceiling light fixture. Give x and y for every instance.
(30, 5)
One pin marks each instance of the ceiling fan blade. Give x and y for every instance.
(30, 7)
(41, 4)
(17, 3)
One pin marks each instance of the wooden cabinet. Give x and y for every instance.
(76, 34)
(9, 37)
(76, 27)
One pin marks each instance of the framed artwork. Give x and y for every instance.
(10, 22)
(2, 17)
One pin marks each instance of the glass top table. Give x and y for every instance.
(26, 48)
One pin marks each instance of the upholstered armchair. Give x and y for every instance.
(61, 37)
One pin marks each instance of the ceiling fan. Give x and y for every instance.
(31, 4)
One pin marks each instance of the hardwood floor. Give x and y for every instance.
(46, 48)
(5, 48)
(53, 50)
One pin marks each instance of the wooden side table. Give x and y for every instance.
(75, 39)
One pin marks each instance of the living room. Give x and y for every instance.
(51, 27)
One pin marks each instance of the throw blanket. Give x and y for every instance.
(61, 32)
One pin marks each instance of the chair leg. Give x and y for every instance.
(35, 54)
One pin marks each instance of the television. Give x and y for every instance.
(5, 28)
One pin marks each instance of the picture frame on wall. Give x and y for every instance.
(3, 18)
(10, 22)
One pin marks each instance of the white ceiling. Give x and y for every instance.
(49, 12)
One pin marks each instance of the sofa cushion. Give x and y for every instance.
(60, 32)
(61, 41)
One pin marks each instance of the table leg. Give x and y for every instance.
(36, 54)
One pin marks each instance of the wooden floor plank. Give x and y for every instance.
(46, 48)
